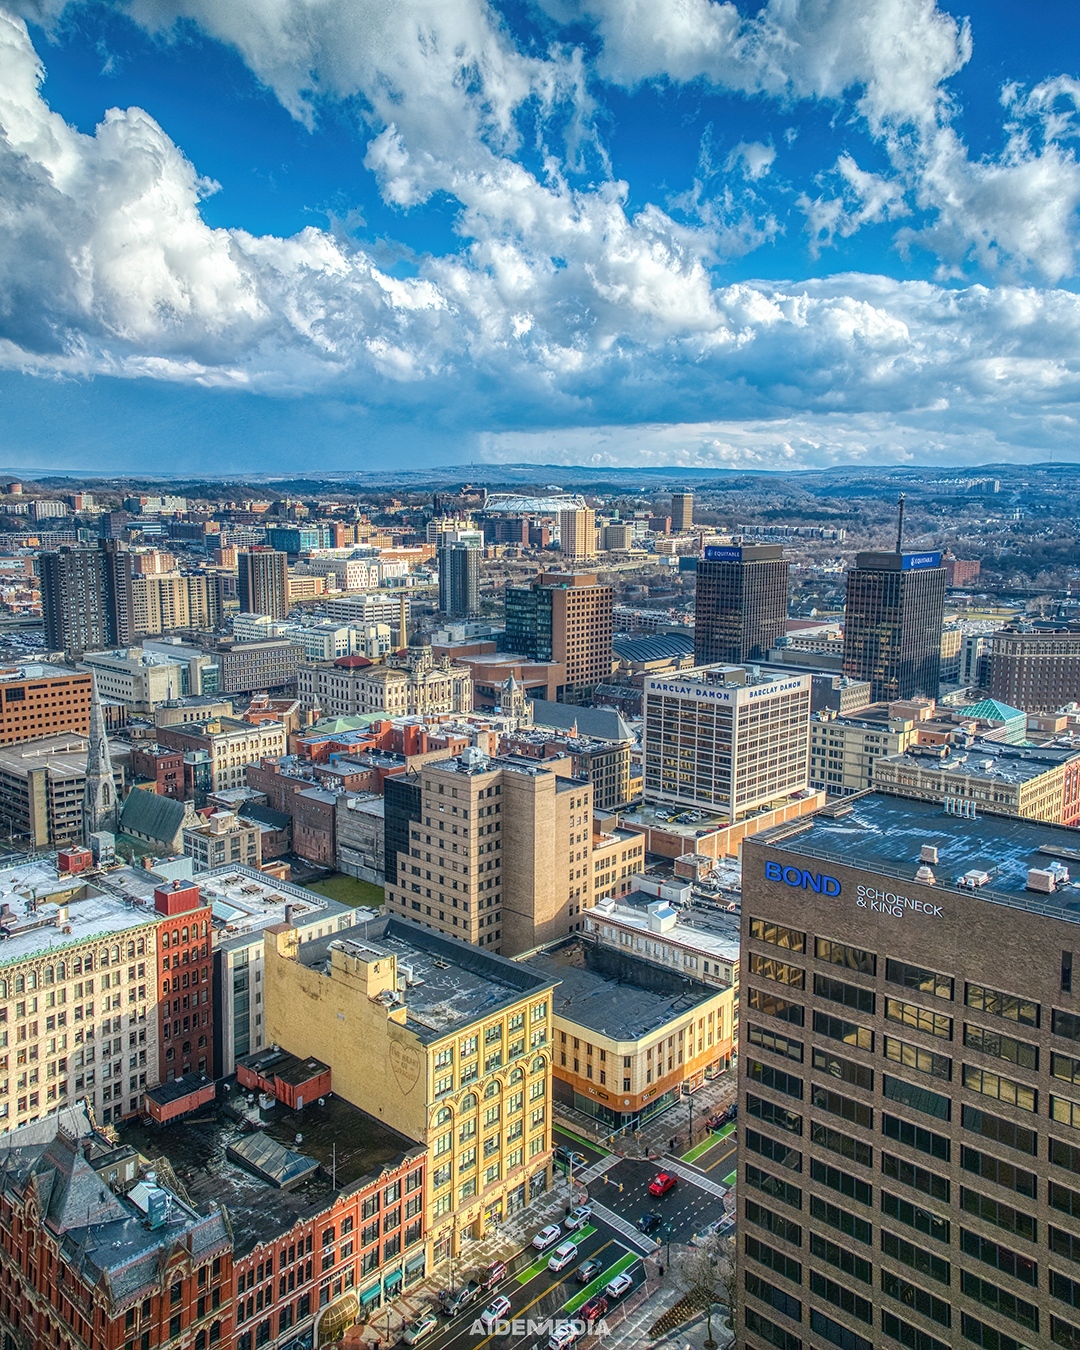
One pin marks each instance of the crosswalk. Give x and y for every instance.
(694, 1177)
(624, 1228)
(597, 1169)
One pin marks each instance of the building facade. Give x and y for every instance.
(682, 511)
(185, 1004)
(565, 618)
(263, 583)
(354, 685)
(741, 603)
(1039, 672)
(450, 1043)
(86, 598)
(577, 534)
(459, 579)
(893, 624)
(909, 1127)
(724, 739)
(230, 743)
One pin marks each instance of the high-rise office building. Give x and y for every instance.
(86, 599)
(459, 580)
(892, 624)
(1039, 672)
(517, 872)
(566, 618)
(741, 604)
(577, 533)
(682, 511)
(263, 583)
(726, 740)
(908, 1082)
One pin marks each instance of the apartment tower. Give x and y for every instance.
(577, 532)
(682, 512)
(263, 583)
(564, 617)
(741, 604)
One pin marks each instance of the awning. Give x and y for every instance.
(370, 1295)
(392, 1280)
(414, 1263)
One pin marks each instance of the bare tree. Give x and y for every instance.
(706, 1274)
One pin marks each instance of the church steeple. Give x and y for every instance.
(99, 795)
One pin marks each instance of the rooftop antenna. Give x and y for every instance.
(900, 527)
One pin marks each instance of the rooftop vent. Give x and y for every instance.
(928, 853)
(973, 879)
(926, 876)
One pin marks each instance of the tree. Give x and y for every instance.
(706, 1274)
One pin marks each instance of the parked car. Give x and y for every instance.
(616, 1288)
(649, 1223)
(662, 1183)
(577, 1218)
(561, 1257)
(455, 1302)
(593, 1309)
(546, 1236)
(492, 1275)
(588, 1270)
(568, 1157)
(421, 1329)
(565, 1334)
(494, 1312)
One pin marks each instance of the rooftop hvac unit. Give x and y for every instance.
(928, 853)
(926, 876)
(974, 878)
(1040, 879)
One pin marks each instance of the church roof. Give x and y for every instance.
(145, 813)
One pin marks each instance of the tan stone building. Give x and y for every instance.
(231, 743)
(165, 601)
(501, 855)
(448, 1043)
(353, 685)
(577, 534)
(221, 840)
(844, 750)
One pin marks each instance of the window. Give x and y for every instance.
(769, 1331)
(914, 1216)
(772, 1114)
(773, 1223)
(916, 1098)
(765, 1039)
(991, 1338)
(990, 1294)
(774, 1297)
(776, 1150)
(772, 1006)
(835, 1334)
(1061, 1197)
(841, 1219)
(773, 1078)
(843, 1258)
(846, 1107)
(1021, 1053)
(921, 1300)
(1065, 1112)
(773, 1259)
(915, 1256)
(1004, 1131)
(848, 1032)
(852, 958)
(772, 968)
(850, 995)
(997, 1170)
(919, 1019)
(918, 1057)
(788, 938)
(1009, 1006)
(1065, 1289)
(842, 1297)
(826, 1137)
(998, 1213)
(847, 1070)
(1065, 1155)
(918, 977)
(918, 1178)
(1001, 1258)
(836, 1180)
(779, 1189)
(908, 1335)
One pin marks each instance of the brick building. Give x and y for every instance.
(185, 1004)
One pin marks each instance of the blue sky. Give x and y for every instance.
(352, 233)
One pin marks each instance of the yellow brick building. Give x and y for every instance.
(449, 1044)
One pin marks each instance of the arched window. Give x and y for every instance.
(61, 971)
(516, 1075)
(537, 1065)
(3, 989)
(31, 980)
(443, 1116)
(492, 1089)
(20, 984)
(468, 1102)
(116, 955)
(49, 975)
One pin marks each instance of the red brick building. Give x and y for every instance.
(185, 1001)
(162, 767)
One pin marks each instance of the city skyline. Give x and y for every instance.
(803, 236)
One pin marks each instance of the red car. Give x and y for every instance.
(662, 1183)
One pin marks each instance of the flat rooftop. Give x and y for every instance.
(611, 992)
(993, 761)
(244, 902)
(884, 834)
(196, 1147)
(62, 756)
(715, 934)
(33, 901)
(453, 983)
